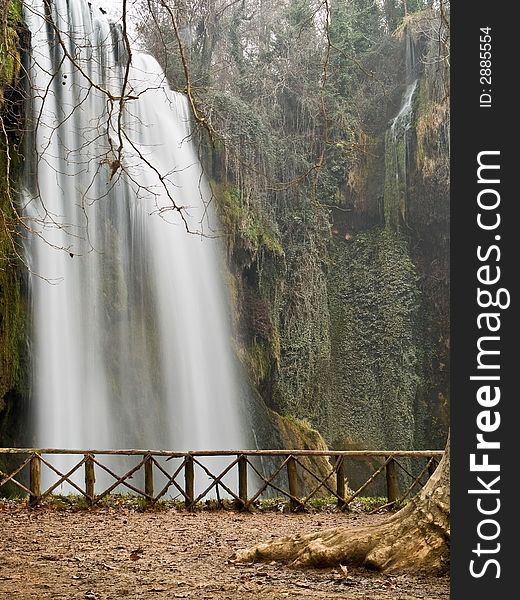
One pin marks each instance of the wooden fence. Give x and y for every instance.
(243, 476)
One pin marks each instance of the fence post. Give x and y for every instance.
(340, 482)
(90, 478)
(34, 479)
(432, 466)
(292, 476)
(242, 480)
(148, 477)
(189, 481)
(392, 485)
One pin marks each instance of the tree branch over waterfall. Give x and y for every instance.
(119, 97)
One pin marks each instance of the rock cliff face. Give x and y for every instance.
(343, 304)
(388, 285)
(13, 301)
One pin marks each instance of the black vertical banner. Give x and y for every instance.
(484, 263)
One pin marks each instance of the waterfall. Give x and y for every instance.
(131, 341)
(397, 144)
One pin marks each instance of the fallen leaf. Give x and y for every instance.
(136, 554)
(341, 574)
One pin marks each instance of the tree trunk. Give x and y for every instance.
(414, 539)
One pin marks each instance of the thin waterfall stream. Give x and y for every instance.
(131, 340)
(397, 144)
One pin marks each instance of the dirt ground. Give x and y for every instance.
(114, 554)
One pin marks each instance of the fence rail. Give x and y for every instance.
(244, 476)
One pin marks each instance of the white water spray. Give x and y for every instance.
(397, 145)
(131, 340)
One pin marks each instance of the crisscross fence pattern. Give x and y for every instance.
(240, 476)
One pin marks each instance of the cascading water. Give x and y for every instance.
(131, 341)
(397, 144)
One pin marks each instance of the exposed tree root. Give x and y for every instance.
(414, 539)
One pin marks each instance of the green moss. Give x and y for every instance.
(127, 503)
(298, 434)
(14, 12)
(13, 309)
(254, 243)
(12, 301)
(304, 325)
(395, 185)
(302, 425)
(243, 224)
(258, 360)
(270, 242)
(431, 126)
(374, 305)
(228, 199)
(9, 54)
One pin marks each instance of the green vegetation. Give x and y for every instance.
(374, 303)
(139, 504)
(9, 44)
(13, 310)
(242, 224)
(395, 181)
(12, 302)
(258, 359)
(300, 434)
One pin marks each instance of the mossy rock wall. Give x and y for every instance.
(13, 293)
(270, 430)
(302, 382)
(374, 301)
(345, 318)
